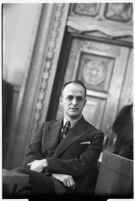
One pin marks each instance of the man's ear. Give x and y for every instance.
(60, 100)
(85, 102)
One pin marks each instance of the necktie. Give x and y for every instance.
(65, 129)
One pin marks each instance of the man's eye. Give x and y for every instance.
(70, 98)
(79, 99)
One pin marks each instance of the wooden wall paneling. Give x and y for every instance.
(97, 85)
(115, 89)
(126, 96)
(95, 69)
(93, 111)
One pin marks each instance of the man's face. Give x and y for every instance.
(73, 100)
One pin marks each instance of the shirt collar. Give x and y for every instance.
(71, 122)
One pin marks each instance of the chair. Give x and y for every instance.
(115, 176)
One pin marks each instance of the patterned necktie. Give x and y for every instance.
(65, 129)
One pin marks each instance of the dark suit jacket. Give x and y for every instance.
(76, 154)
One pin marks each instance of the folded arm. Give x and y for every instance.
(78, 166)
(39, 165)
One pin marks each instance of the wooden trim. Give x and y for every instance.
(59, 78)
(108, 28)
(103, 40)
(50, 65)
(97, 94)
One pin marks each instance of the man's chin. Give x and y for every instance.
(74, 116)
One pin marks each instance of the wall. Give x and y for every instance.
(19, 22)
(39, 82)
(20, 26)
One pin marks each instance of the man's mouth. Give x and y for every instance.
(73, 108)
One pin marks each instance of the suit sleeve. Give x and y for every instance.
(78, 167)
(34, 150)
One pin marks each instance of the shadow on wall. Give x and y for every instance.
(7, 103)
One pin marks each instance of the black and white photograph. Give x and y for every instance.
(67, 100)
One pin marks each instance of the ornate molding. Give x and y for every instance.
(77, 24)
(94, 72)
(122, 12)
(49, 60)
(91, 9)
(90, 45)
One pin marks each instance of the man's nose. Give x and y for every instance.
(74, 101)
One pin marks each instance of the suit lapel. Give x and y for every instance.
(51, 139)
(75, 133)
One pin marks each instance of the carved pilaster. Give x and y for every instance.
(50, 64)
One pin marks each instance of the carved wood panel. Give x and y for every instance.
(94, 70)
(122, 12)
(119, 11)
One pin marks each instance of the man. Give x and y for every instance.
(67, 165)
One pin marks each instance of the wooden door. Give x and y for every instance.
(106, 70)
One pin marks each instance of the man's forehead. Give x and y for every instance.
(73, 86)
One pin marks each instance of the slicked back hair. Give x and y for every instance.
(79, 82)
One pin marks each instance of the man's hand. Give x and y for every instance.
(38, 165)
(67, 180)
